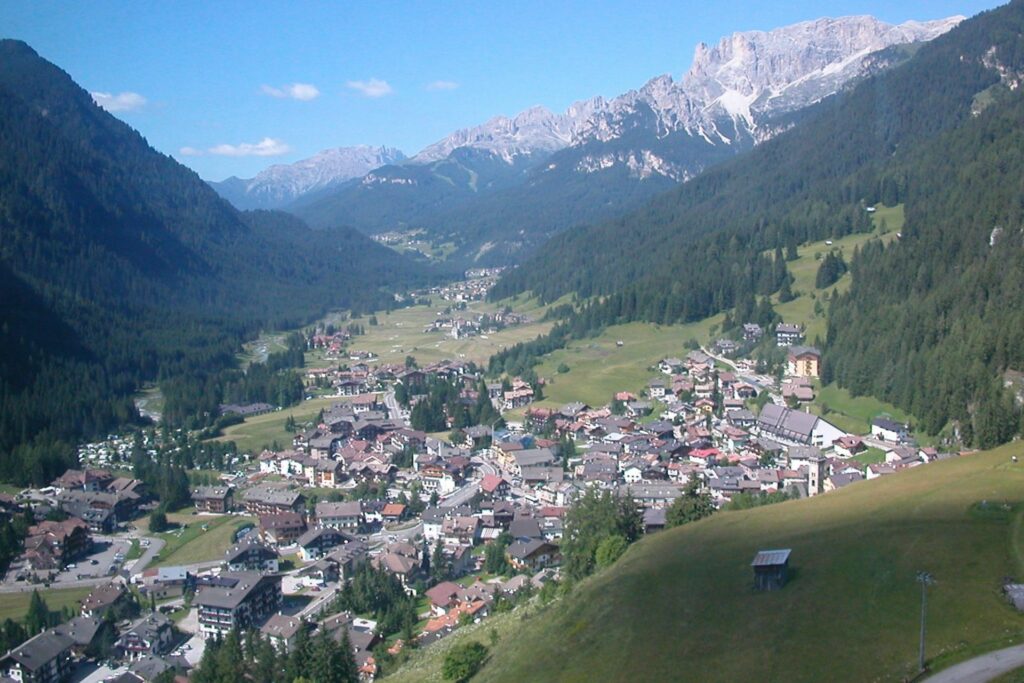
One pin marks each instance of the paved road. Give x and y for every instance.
(155, 546)
(405, 533)
(395, 411)
(461, 496)
(982, 669)
(761, 382)
(486, 467)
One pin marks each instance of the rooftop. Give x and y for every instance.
(771, 558)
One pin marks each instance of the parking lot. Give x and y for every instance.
(106, 552)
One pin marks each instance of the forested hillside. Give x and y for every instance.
(119, 265)
(940, 134)
(932, 323)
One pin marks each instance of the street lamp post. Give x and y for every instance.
(925, 579)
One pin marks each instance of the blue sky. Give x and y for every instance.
(218, 79)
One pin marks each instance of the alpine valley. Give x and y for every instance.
(719, 379)
(498, 190)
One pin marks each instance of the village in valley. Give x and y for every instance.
(444, 485)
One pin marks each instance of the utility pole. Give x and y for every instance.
(925, 579)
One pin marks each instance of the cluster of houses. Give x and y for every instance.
(331, 345)
(694, 422)
(707, 432)
(142, 641)
(459, 327)
(78, 504)
(474, 287)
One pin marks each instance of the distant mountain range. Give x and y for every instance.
(282, 184)
(498, 189)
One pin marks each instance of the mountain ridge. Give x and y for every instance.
(601, 157)
(281, 184)
(936, 134)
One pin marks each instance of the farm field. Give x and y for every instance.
(853, 413)
(263, 430)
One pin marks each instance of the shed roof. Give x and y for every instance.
(771, 558)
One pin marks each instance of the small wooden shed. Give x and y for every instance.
(771, 569)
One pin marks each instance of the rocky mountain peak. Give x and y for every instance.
(823, 53)
(281, 183)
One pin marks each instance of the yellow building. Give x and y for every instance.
(803, 361)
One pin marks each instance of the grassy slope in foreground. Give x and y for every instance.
(679, 606)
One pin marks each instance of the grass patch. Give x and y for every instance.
(424, 665)
(871, 456)
(257, 350)
(685, 595)
(178, 615)
(191, 544)
(856, 412)
(150, 401)
(290, 562)
(15, 605)
(259, 431)
(400, 334)
(888, 221)
(600, 367)
(135, 551)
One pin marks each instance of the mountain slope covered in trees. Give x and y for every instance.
(923, 134)
(119, 265)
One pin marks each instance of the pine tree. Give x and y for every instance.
(785, 292)
(691, 506)
(439, 564)
(38, 617)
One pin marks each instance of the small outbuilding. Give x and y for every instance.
(771, 569)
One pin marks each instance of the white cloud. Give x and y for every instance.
(442, 85)
(125, 101)
(267, 147)
(295, 91)
(371, 88)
